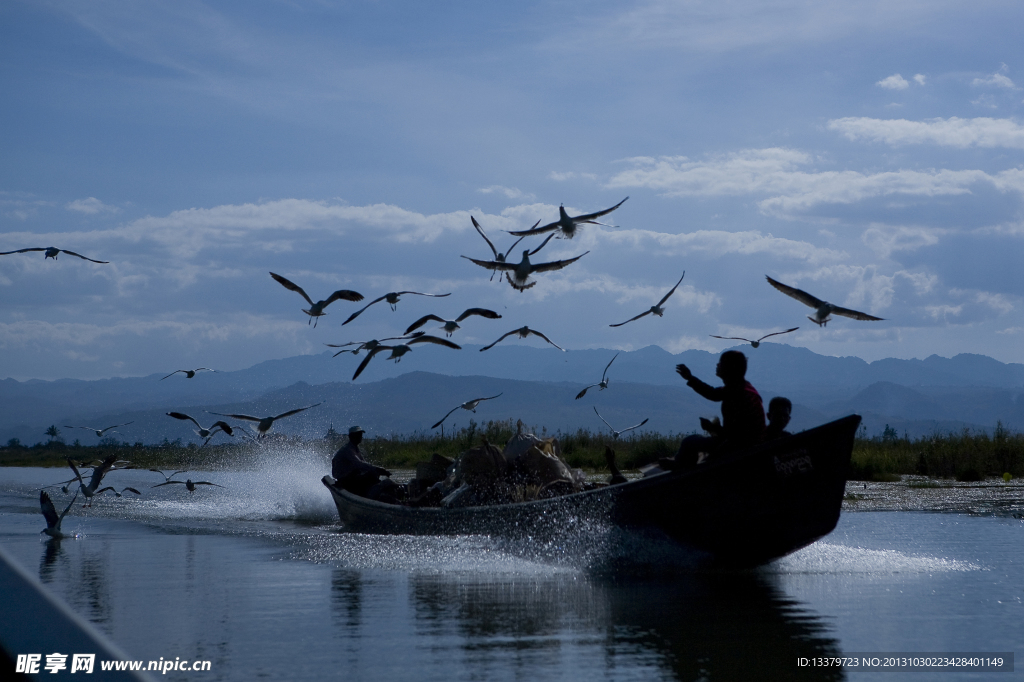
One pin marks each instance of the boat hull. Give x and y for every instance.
(742, 509)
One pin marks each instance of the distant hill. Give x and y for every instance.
(538, 385)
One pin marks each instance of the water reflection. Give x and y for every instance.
(47, 564)
(715, 626)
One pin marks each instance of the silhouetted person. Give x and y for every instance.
(742, 411)
(351, 471)
(609, 457)
(779, 411)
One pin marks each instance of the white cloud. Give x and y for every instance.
(920, 79)
(952, 132)
(91, 205)
(997, 80)
(561, 177)
(893, 82)
(884, 239)
(510, 192)
(716, 243)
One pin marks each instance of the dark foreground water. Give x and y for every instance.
(257, 579)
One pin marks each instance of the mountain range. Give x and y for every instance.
(537, 385)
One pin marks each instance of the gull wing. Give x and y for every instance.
(419, 293)
(480, 400)
(736, 338)
(237, 416)
(224, 426)
(434, 339)
(502, 338)
(173, 373)
(115, 426)
(603, 419)
(83, 257)
(130, 489)
(291, 412)
(534, 331)
(855, 314)
(492, 264)
(343, 295)
(67, 508)
(49, 511)
(423, 320)
(206, 483)
(584, 391)
(75, 469)
(542, 244)
(482, 312)
(605, 372)
(646, 312)
(181, 415)
(167, 483)
(359, 312)
(556, 264)
(776, 334)
(591, 216)
(493, 250)
(291, 286)
(7, 253)
(445, 417)
(633, 427)
(366, 360)
(536, 230)
(798, 294)
(100, 471)
(673, 291)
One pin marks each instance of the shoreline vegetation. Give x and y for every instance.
(963, 456)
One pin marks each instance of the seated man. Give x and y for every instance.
(779, 411)
(351, 471)
(742, 411)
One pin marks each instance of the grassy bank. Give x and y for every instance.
(965, 455)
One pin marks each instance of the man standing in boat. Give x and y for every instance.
(742, 411)
(351, 471)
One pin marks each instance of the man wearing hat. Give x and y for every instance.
(350, 470)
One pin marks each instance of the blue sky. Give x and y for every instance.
(870, 153)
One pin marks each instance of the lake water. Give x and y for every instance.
(258, 579)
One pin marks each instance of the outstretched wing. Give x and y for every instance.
(291, 286)
(535, 230)
(798, 294)
(291, 412)
(173, 373)
(542, 244)
(855, 314)
(736, 338)
(672, 291)
(359, 312)
(366, 360)
(100, 471)
(500, 339)
(776, 334)
(493, 250)
(434, 339)
(49, 511)
(556, 264)
(446, 416)
(603, 419)
(423, 320)
(72, 253)
(420, 293)
(181, 415)
(75, 469)
(224, 426)
(584, 391)
(534, 331)
(115, 426)
(482, 312)
(634, 427)
(591, 216)
(343, 295)
(605, 372)
(236, 416)
(646, 312)
(167, 483)
(492, 264)
(7, 253)
(67, 508)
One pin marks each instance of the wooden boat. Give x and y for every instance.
(740, 509)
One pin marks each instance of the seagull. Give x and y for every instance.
(822, 308)
(401, 349)
(521, 271)
(500, 257)
(189, 484)
(110, 487)
(51, 252)
(368, 345)
(99, 432)
(603, 384)
(468, 405)
(317, 309)
(392, 299)
(50, 514)
(264, 422)
(523, 332)
(189, 373)
(451, 325)
(202, 432)
(98, 473)
(568, 225)
(757, 343)
(658, 309)
(166, 477)
(616, 434)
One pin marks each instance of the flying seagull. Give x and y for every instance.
(521, 271)
(616, 434)
(500, 257)
(99, 432)
(822, 308)
(568, 225)
(263, 423)
(757, 343)
(658, 309)
(50, 514)
(110, 487)
(189, 373)
(401, 349)
(603, 384)
(189, 484)
(202, 432)
(523, 332)
(392, 299)
(451, 325)
(368, 345)
(468, 405)
(98, 473)
(166, 477)
(51, 252)
(317, 309)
